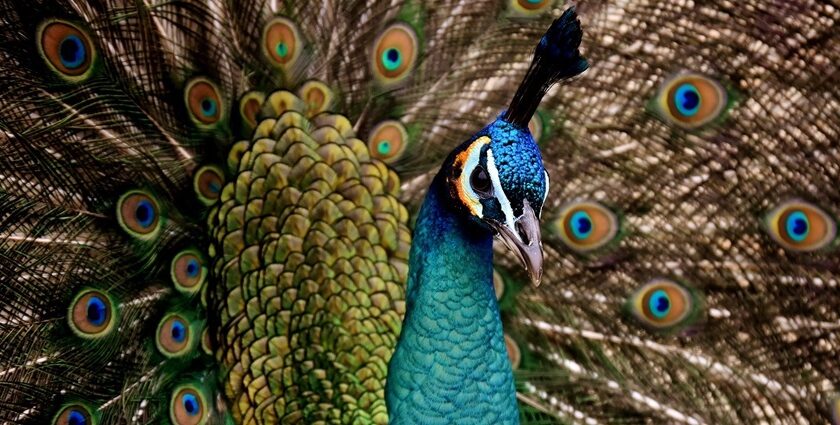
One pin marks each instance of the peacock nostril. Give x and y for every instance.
(523, 233)
(528, 226)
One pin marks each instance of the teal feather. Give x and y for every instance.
(450, 363)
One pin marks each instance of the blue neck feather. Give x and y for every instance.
(450, 365)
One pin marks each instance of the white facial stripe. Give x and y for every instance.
(469, 165)
(498, 192)
(545, 194)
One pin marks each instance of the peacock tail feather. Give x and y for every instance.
(206, 206)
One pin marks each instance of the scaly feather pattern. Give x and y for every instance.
(206, 206)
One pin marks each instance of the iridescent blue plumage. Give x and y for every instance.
(451, 364)
(451, 361)
(519, 163)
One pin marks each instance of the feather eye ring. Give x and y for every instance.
(394, 54)
(317, 96)
(188, 271)
(249, 108)
(207, 183)
(530, 7)
(387, 141)
(175, 336)
(139, 214)
(67, 49)
(188, 406)
(664, 305)
(691, 100)
(585, 226)
(74, 414)
(281, 42)
(800, 226)
(204, 102)
(92, 314)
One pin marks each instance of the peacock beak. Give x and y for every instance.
(524, 240)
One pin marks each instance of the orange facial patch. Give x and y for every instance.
(466, 161)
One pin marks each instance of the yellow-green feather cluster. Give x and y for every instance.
(310, 258)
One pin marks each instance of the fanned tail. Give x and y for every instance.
(675, 290)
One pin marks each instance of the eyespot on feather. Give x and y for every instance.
(67, 49)
(395, 53)
(530, 7)
(204, 102)
(317, 96)
(664, 305)
(208, 182)
(585, 226)
(388, 141)
(91, 314)
(691, 100)
(801, 226)
(74, 414)
(249, 108)
(188, 406)
(281, 42)
(139, 214)
(188, 271)
(174, 336)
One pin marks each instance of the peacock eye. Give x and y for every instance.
(663, 304)
(388, 141)
(188, 271)
(249, 107)
(74, 414)
(691, 100)
(800, 226)
(586, 226)
(67, 49)
(317, 96)
(281, 42)
(188, 406)
(394, 54)
(530, 7)
(203, 102)
(480, 181)
(91, 314)
(174, 336)
(207, 183)
(138, 214)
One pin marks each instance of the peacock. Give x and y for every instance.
(224, 212)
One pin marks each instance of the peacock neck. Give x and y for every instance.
(450, 363)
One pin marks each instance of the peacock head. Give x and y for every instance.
(498, 175)
(498, 179)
